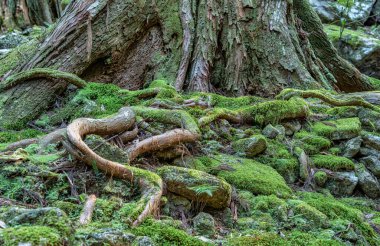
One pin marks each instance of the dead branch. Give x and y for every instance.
(88, 209)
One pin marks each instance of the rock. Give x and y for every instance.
(373, 164)
(352, 147)
(357, 46)
(18, 216)
(304, 161)
(368, 151)
(367, 182)
(251, 146)
(340, 129)
(320, 178)
(330, 11)
(342, 183)
(292, 127)
(176, 205)
(372, 141)
(12, 40)
(273, 132)
(197, 186)
(204, 224)
(143, 241)
(248, 174)
(107, 236)
(369, 117)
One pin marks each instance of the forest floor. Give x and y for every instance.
(295, 170)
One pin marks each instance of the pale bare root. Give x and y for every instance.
(88, 209)
(149, 183)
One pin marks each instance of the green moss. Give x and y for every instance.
(164, 234)
(35, 235)
(248, 175)
(105, 209)
(335, 209)
(320, 178)
(375, 83)
(251, 146)
(338, 129)
(311, 143)
(334, 163)
(315, 218)
(14, 136)
(343, 112)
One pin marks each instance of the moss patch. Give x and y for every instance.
(334, 163)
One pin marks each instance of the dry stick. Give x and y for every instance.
(151, 187)
(88, 209)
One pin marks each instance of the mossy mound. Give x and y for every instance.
(247, 174)
(334, 163)
(339, 129)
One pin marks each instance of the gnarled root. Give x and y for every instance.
(328, 98)
(150, 183)
(38, 73)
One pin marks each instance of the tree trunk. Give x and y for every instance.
(235, 47)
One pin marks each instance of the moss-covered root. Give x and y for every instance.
(149, 183)
(327, 97)
(261, 113)
(41, 73)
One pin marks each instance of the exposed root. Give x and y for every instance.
(128, 136)
(150, 183)
(328, 98)
(260, 113)
(41, 73)
(88, 209)
(21, 144)
(161, 142)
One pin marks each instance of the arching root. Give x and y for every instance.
(41, 73)
(328, 98)
(149, 183)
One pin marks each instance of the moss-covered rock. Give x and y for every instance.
(334, 163)
(367, 182)
(310, 142)
(250, 146)
(339, 129)
(204, 224)
(31, 235)
(320, 178)
(247, 174)
(197, 186)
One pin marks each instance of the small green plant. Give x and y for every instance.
(204, 189)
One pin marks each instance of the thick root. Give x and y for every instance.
(150, 183)
(41, 73)
(328, 98)
(260, 113)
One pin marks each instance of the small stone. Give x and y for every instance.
(342, 183)
(143, 241)
(292, 127)
(250, 146)
(372, 141)
(373, 164)
(204, 224)
(352, 147)
(270, 132)
(367, 182)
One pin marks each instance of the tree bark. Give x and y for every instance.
(234, 47)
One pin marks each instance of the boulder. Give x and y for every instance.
(12, 40)
(341, 183)
(106, 236)
(367, 182)
(352, 147)
(197, 186)
(204, 224)
(292, 127)
(340, 129)
(143, 241)
(250, 146)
